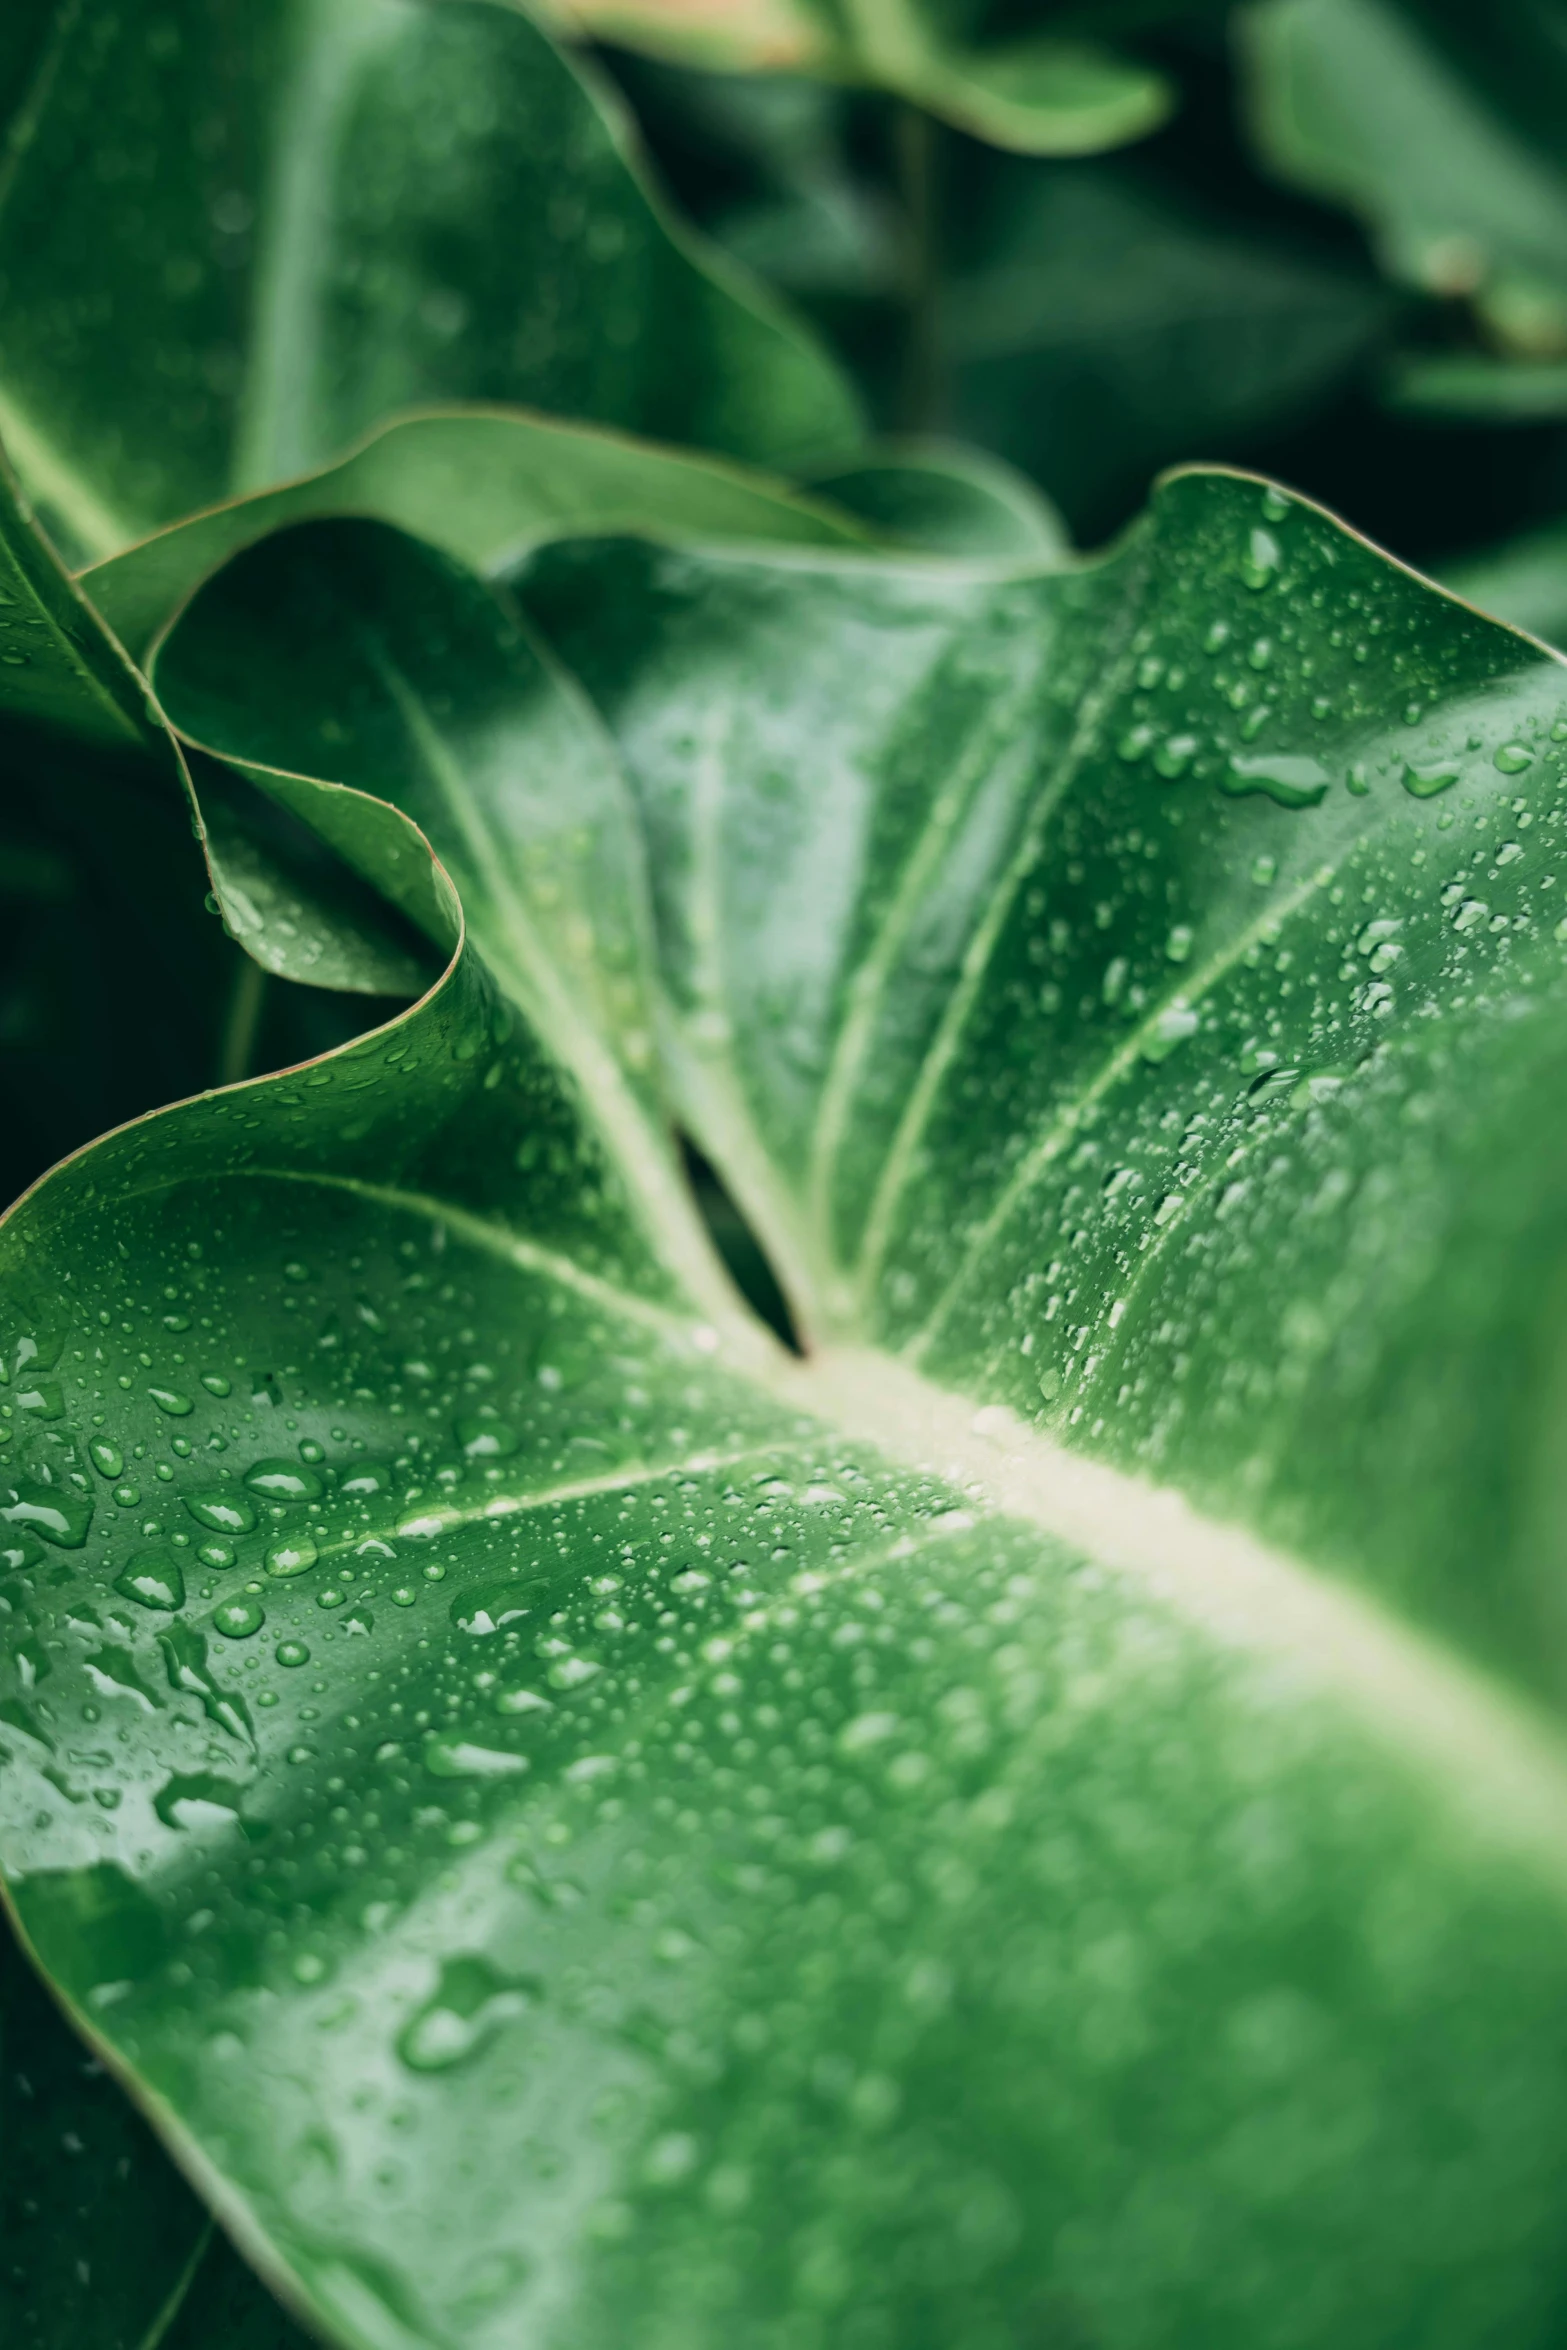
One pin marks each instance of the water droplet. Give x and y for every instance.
(461, 1758)
(216, 1554)
(215, 1383)
(224, 1510)
(1264, 870)
(1178, 945)
(1135, 744)
(364, 1482)
(1173, 1026)
(292, 1652)
(1260, 564)
(281, 1480)
(522, 1701)
(172, 1401)
(53, 1511)
(1424, 782)
(471, 2002)
(155, 1579)
(1513, 758)
(1357, 780)
(106, 1458)
(1289, 782)
(489, 1608)
(1275, 504)
(185, 1652)
(569, 1672)
(484, 1439)
(332, 1596)
(237, 1619)
(295, 1554)
(1174, 755)
(1472, 911)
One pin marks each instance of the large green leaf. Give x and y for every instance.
(231, 241)
(1045, 1820)
(1439, 124)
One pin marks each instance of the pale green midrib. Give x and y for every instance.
(444, 1518)
(640, 1153)
(526, 1255)
(330, 40)
(1500, 1764)
(950, 803)
(1110, 1072)
(179, 2293)
(922, 1098)
(1505, 1768)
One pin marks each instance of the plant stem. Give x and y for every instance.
(242, 1022)
(922, 401)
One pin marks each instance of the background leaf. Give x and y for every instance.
(1439, 126)
(273, 230)
(1043, 94)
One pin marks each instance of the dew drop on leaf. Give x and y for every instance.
(279, 1480)
(238, 1618)
(155, 1579)
(470, 2004)
(225, 1511)
(295, 1554)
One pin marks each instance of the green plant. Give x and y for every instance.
(1013, 1795)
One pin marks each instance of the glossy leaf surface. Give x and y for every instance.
(230, 245)
(707, 1850)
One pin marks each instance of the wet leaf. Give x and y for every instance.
(1051, 1811)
